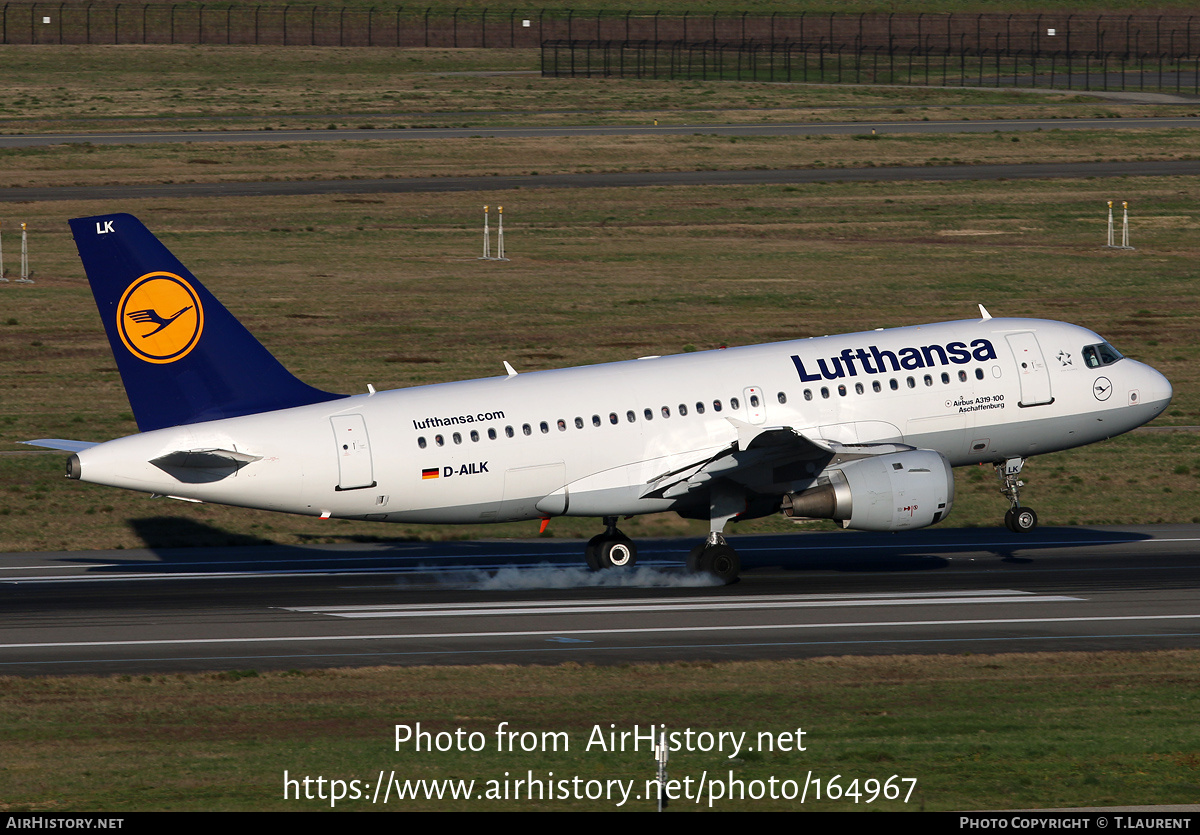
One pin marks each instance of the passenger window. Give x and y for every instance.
(716, 405)
(612, 418)
(457, 438)
(782, 397)
(545, 427)
(699, 408)
(474, 436)
(962, 376)
(595, 420)
(824, 392)
(491, 434)
(858, 388)
(648, 413)
(562, 425)
(754, 401)
(630, 416)
(892, 382)
(421, 443)
(439, 440)
(578, 423)
(945, 378)
(734, 403)
(978, 373)
(876, 386)
(842, 391)
(508, 432)
(683, 410)
(527, 429)
(912, 384)
(928, 379)
(666, 411)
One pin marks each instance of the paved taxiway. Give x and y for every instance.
(751, 129)
(933, 591)
(633, 179)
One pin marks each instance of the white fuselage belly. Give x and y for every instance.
(362, 456)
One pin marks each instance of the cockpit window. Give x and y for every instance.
(1096, 356)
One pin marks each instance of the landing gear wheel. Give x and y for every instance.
(1008, 519)
(617, 553)
(610, 551)
(719, 560)
(1023, 520)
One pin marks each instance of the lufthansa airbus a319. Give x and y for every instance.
(861, 428)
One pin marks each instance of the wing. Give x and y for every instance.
(770, 460)
(759, 459)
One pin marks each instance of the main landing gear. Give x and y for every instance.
(715, 556)
(611, 549)
(1018, 519)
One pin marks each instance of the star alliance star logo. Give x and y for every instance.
(1064, 358)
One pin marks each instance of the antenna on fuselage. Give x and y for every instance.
(983, 312)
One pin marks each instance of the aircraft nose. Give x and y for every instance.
(1156, 389)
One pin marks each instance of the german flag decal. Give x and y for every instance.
(432, 472)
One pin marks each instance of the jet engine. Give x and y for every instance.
(893, 492)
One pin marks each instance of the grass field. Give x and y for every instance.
(71, 89)
(988, 732)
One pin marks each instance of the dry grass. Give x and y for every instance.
(100, 88)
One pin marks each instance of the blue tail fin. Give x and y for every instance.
(182, 355)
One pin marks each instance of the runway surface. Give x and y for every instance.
(273, 607)
(753, 129)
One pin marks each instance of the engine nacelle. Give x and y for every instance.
(893, 492)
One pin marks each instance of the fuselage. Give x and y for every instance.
(588, 441)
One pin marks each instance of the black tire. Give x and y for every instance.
(591, 553)
(1008, 519)
(616, 552)
(719, 560)
(1024, 519)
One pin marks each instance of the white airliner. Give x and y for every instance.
(861, 428)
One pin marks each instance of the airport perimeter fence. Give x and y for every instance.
(105, 22)
(832, 63)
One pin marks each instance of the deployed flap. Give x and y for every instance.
(196, 466)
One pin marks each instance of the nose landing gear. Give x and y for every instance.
(1018, 519)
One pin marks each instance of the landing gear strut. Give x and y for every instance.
(715, 556)
(611, 549)
(1018, 519)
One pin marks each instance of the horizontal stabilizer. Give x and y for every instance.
(60, 443)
